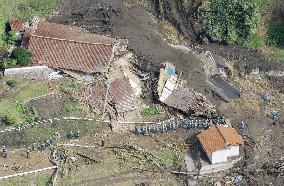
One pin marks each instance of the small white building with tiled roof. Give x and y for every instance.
(220, 143)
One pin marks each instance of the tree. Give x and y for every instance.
(22, 55)
(231, 21)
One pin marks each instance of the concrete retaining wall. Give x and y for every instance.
(34, 72)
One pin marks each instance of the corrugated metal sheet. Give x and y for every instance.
(70, 55)
(122, 95)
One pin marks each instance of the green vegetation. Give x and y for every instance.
(41, 133)
(11, 82)
(8, 63)
(25, 91)
(166, 158)
(27, 116)
(9, 119)
(22, 9)
(41, 178)
(153, 111)
(231, 21)
(275, 34)
(11, 38)
(22, 55)
(75, 108)
(67, 87)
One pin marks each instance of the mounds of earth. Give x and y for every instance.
(246, 60)
(140, 28)
(263, 136)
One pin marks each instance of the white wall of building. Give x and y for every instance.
(222, 155)
(219, 156)
(233, 150)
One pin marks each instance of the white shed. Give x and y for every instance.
(220, 143)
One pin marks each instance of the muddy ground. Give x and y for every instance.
(139, 27)
(132, 21)
(263, 136)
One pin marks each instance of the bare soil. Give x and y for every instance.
(140, 28)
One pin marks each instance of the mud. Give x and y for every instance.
(139, 27)
(142, 30)
(246, 60)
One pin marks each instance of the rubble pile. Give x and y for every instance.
(174, 92)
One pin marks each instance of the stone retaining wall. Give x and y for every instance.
(34, 72)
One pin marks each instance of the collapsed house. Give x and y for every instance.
(112, 89)
(70, 49)
(220, 143)
(19, 26)
(173, 92)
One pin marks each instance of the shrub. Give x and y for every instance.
(11, 82)
(22, 55)
(9, 119)
(12, 38)
(8, 63)
(152, 111)
(275, 34)
(28, 115)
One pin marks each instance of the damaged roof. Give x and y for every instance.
(218, 137)
(122, 95)
(18, 25)
(71, 33)
(181, 98)
(70, 55)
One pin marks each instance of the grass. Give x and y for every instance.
(276, 53)
(41, 179)
(153, 111)
(43, 132)
(167, 158)
(25, 90)
(23, 9)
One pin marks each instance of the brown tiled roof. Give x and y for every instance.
(72, 33)
(122, 95)
(217, 137)
(70, 55)
(17, 25)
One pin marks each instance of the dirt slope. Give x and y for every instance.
(139, 27)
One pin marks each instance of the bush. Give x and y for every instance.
(22, 55)
(275, 34)
(11, 82)
(12, 38)
(28, 115)
(152, 111)
(8, 63)
(9, 119)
